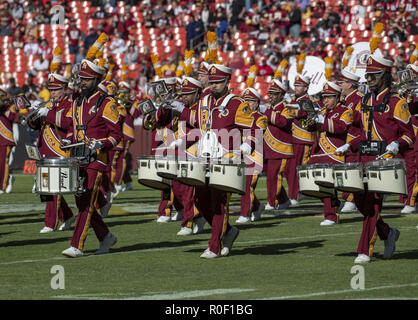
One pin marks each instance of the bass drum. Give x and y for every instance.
(147, 174)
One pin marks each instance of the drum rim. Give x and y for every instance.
(57, 161)
(343, 166)
(326, 165)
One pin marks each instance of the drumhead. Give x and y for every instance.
(386, 164)
(146, 157)
(57, 162)
(305, 167)
(348, 166)
(322, 165)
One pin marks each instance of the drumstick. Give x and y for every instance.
(323, 154)
(382, 155)
(162, 148)
(79, 144)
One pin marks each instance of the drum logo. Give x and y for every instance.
(63, 178)
(45, 180)
(184, 172)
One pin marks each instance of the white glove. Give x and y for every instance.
(343, 149)
(65, 142)
(319, 118)
(393, 147)
(176, 143)
(42, 112)
(245, 148)
(138, 122)
(262, 108)
(178, 106)
(94, 144)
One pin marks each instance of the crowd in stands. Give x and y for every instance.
(276, 29)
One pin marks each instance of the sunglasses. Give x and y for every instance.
(373, 75)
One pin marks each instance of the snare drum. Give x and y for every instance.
(386, 176)
(228, 177)
(348, 177)
(323, 174)
(147, 174)
(307, 185)
(167, 167)
(191, 172)
(57, 176)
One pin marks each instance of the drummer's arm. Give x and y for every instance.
(111, 118)
(402, 118)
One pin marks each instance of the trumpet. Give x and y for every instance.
(149, 121)
(32, 116)
(310, 119)
(123, 99)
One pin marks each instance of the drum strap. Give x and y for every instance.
(96, 107)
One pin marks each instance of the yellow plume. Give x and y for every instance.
(280, 69)
(157, 66)
(56, 60)
(180, 69)
(97, 46)
(188, 56)
(414, 56)
(67, 71)
(376, 37)
(212, 52)
(102, 62)
(329, 66)
(109, 72)
(346, 56)
(300, 61)
(252, 74)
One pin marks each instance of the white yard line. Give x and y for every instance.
(162, 296)
(237, 244)
(324, 293)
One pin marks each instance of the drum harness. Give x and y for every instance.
(372, 147)
(83, 153)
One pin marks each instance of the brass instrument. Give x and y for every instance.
(149, 121)
(313, 109)
(33, 115)
(123, 99)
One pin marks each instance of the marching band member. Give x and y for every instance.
(410, 155)
(8, 116)
(351, 98)
(203, 77)
(192, 220)
(278, 147)
(251, 208)
(231, 114)
(302, 140)
(161, 137)
(385, 121)
(333, 126)
(49, 145)
(94, 119)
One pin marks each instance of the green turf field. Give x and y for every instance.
(282, 256)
